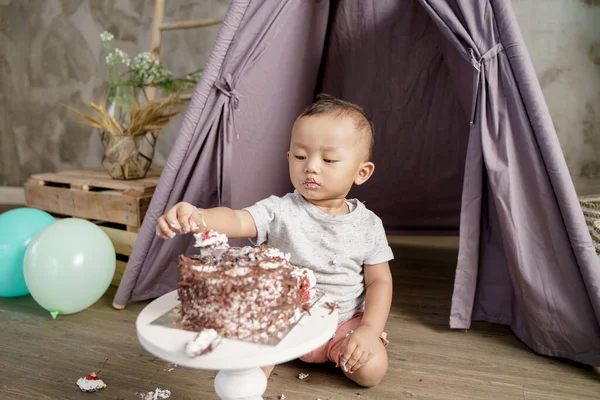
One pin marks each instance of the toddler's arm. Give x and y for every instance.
(361, 344)
(185, 218)
(378, 296)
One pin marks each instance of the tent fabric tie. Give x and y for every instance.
(226, 87)
(479, 64)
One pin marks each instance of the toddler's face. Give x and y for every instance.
(326, 156)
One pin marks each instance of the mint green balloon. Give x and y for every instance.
(69, 265)
(17, 228)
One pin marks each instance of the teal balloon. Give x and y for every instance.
(69, 265)
(17, 228)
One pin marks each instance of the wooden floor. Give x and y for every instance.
(41, 358)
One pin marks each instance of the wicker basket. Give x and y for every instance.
(591, 211)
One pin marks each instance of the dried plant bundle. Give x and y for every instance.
(152, 117)
(104, 121)
(148, 118)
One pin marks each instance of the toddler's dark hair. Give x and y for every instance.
(328, 104)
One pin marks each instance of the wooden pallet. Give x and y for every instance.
(117, 207)
(123, 241)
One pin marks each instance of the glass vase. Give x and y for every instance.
(127, 156)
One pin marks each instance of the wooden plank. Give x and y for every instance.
(110, 207)
(400, 383)
(139, 192)
(81, 187)
(143, 204)
(559, 391)
(42, 358)
(98, 177)
(123, 241)
(99, 173)
(119, 271)
(447, 242)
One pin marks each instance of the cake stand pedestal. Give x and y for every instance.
(240, 376)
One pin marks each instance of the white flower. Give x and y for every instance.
(148, 68)
(122, 57)
(106, 37)
(145, 58)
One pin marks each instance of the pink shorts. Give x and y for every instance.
(332, 350)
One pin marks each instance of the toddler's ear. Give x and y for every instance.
(364, 173)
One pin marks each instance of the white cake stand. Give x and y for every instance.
(239, 376)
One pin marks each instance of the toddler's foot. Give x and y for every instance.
(267, 370)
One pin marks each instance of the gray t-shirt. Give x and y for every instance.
(335, 247)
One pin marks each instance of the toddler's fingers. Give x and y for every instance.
(366, 356)
(184, 212)
(356, 355)
(197, 223)
(163, 230)
(346, 354)
(170, 218)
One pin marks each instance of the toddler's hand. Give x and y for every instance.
(357, 349)
(181, 218)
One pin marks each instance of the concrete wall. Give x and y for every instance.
(563, 39)
(51, 57)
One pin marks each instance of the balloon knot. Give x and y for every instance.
(54, 314)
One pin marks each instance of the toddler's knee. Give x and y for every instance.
(370, 374)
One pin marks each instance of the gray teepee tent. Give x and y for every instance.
(464, 142)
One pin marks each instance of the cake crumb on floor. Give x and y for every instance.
(157, 394)
(170, 367)
(302, 376)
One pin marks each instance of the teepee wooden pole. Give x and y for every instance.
(196, 23)
(155, 39)
(158, 26)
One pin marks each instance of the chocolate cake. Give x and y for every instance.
(245, 293)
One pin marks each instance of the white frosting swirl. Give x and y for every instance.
(212, 239)
(270, 264)
(272, 252)
(211, 243)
